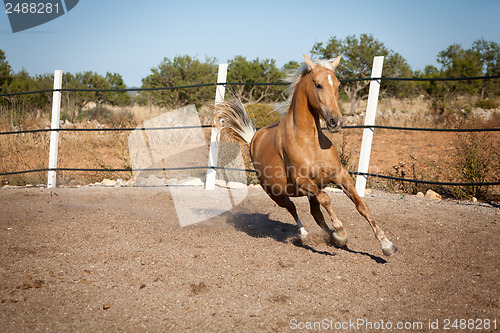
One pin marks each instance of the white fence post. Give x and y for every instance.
(54, 126)
(214, 139)
(371, 111)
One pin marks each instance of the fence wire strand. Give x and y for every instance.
(470, 78)
(409, 180)
(124, 129)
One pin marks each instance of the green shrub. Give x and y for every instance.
(105, 115)
(486, 104)
(262, 114)
(475, 160)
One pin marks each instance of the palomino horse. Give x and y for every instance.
(293, 157)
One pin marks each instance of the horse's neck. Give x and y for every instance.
(301, 117)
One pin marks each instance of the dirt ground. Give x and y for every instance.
(116, 259)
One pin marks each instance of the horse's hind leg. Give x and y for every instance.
(345, 181)
(285, 202)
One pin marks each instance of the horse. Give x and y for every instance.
(294, 157)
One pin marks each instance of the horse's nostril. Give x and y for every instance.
(334, 124)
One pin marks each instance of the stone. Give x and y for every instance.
(108, 182)
(172, 181)
(191, 181)
(154, 181)
(332, 189)
(38, 283)
(25, 286)
(420, 195)
(236, 185)
(432, 195)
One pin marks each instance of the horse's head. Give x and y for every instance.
(323, 92)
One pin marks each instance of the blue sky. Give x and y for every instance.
(130, 37)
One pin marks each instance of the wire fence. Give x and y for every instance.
(209, 126)
(125, 129)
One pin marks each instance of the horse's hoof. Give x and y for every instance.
(303, 233)
(339, 241)
(389, 250)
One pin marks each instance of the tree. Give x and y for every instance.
(181, 71)
(396, 66)
(437, 92)
(357, 60)
(5, 71)
(121, 98)
(489, 55)
(86, 80)
(482, 59)
(5, 77)
(241, 70)
(92, 80)
(290, 66)
(27, 104)
(75, 101)
(458, 62)
(33, 104)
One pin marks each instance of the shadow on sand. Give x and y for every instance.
(261, 226)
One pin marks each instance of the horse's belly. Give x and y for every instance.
(269, 165)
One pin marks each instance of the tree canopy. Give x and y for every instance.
(481, 59)
(180, 71)
(357, 61)
(72, 102)
(259, 71)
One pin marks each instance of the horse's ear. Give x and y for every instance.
(336, 61)
(309, 63)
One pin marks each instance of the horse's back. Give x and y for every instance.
(262, 145)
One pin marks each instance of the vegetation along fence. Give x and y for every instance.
(368, 128)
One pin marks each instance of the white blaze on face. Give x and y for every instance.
(330, 80)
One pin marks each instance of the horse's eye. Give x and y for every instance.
(318, 86)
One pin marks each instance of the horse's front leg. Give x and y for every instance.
(344, 180)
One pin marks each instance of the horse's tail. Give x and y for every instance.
(231, 119)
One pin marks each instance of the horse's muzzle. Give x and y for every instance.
(334, 125)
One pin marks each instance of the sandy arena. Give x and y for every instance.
(116, 259)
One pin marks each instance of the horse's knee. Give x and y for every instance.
(323, 199)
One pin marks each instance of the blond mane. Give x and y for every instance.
(294, 77)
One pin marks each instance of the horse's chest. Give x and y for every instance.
(312, 165)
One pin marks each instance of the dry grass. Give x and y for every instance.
(30, 151)
(21, 152)
(438, 160)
